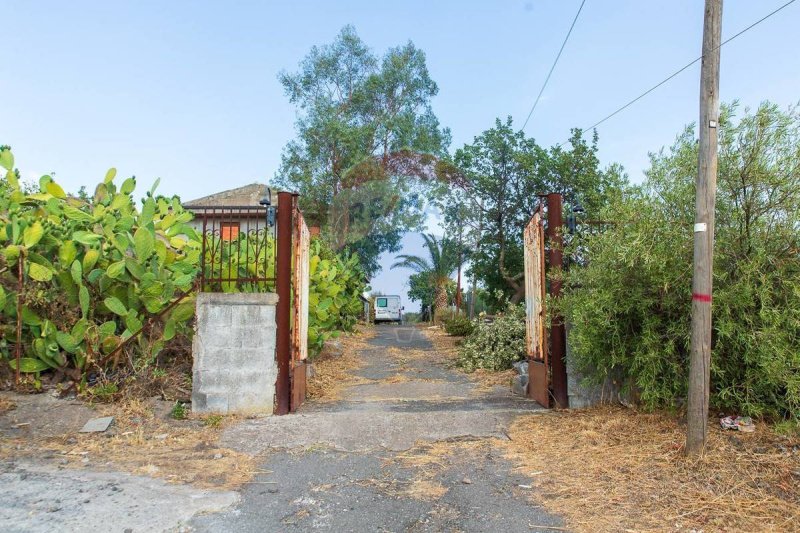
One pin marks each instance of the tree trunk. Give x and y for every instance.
(440, 304)
(518, 295)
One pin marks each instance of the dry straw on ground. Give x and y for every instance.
(334, 368)
(6, 405)
(609, 469)
(429, 461)
(145, 442)
(446, 347)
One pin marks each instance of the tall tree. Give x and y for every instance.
(500, 177)
(365, 127)
(443, 258)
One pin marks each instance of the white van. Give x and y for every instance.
(388, 309)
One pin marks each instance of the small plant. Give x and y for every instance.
(103, 392)
(179, 411)
(789, 428)
(213, 421)
(159, 373)
(459, 326)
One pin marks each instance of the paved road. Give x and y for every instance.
(409, 448)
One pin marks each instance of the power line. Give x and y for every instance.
(554, 64)
(668, 78)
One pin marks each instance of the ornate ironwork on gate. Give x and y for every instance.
(238, 248)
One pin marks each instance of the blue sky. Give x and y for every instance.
(187, 91)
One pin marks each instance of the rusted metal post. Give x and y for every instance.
(555, 261)
(203, 259)
(283, 285)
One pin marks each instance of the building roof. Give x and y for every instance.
(249, 195)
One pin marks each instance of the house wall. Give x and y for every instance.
(234, 368)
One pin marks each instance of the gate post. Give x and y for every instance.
(557, 334)
(283, 286)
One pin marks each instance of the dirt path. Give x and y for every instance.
(396, 439)
(410, 444)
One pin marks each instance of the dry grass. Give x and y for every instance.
(424, 489)
(609, 469)
(447, 348)
(487, 380)
(403, 357)
(142, 442)
(6, 405)
(429, 460)
(334, 370)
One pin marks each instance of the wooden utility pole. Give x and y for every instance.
(706, 189)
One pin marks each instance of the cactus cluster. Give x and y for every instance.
(95, 269)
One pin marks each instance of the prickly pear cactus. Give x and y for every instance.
(94, 268)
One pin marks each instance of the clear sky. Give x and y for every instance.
(187, 91)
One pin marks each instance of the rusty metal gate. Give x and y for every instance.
(292, 273)
(546, 346)
(300, 286)
(535, 330)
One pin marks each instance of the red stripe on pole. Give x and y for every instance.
(701, 297)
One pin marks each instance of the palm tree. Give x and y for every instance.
(443, 259)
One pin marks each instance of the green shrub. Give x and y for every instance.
(495, 345)
(98, 268)
(630, 304)
(459, 326)
(335, 286)
(95, 270)
(179, 411)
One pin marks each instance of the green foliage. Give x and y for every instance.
(103, 392)
(95, 269)
(247, 255)
(458, 325)
(501, 175)
(412, 317)
(630, 304)
(433, 272)
(495, 345)
(365, 125)
(213, 421)
(335, 286)
(179, 411)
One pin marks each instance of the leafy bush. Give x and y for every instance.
(631, 303)
(336, 283)
(245, 256)
(95, 270)
(495, 345)
(458, 325)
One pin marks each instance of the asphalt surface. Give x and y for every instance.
(365, 463)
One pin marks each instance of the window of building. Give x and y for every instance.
(229, 231)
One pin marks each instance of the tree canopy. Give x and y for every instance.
(502, 174)
(365, 126)
(433, 272)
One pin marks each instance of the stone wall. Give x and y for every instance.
(234, 367)
(580, 393)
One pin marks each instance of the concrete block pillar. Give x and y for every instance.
(234, 368)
